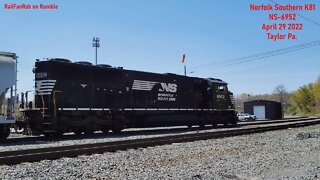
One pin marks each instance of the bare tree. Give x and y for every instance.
(281, 91)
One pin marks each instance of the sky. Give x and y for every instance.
(152, 35)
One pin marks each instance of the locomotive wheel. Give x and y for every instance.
(77, 132)
(48, 134)
(118, 127)
(57, 134)
(202, 125)
(214, 125)
(89, 132)
(234, 123)
(105, 130)
(53, 134)
(19, 130)
(4, 132)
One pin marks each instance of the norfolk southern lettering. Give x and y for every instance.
(30, 6)
(277, 7)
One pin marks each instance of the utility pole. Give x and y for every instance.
(96, 44)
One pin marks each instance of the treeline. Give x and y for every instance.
(304, 101)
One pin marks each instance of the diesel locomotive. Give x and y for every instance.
(82, 98)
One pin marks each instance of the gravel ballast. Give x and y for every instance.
(286, 154)
(128, 134)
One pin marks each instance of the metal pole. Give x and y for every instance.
(16, 84)
(11, 104)
(185, 70)
(96, 55)
(96, 44)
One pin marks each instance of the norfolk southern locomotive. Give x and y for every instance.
(83, 98)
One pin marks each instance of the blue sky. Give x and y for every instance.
(152, 35)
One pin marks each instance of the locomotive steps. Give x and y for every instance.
(32, 155)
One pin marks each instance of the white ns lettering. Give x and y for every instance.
(168, 87)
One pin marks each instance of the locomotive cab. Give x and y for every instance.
(222, 97)
(223, 101)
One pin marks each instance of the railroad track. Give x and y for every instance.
(32, 155)
(262, 122)
(37, 139)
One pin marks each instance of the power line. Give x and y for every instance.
(272, 53)
(260, 55)
(303, 17)
(276, 64)
(264, 57)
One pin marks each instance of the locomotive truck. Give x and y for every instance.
(82, 98)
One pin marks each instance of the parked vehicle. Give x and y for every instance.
(246, 117)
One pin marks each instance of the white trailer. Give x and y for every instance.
(8, 92)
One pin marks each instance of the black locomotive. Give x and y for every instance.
(83, 98)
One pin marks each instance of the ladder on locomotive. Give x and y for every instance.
(49, 122)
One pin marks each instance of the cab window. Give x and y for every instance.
(221, 88)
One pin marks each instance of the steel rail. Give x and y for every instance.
(261, 122)
(33, 155)
(31, 139)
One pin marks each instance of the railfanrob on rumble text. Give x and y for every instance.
(30, 6)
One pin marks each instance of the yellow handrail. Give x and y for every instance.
(42, 105)
(54, 103)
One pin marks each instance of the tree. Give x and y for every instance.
(316, 94)
(303, 100)
(239, 100)
(280, 90)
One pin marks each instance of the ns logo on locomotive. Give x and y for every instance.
(170, 87)
(81, 98)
